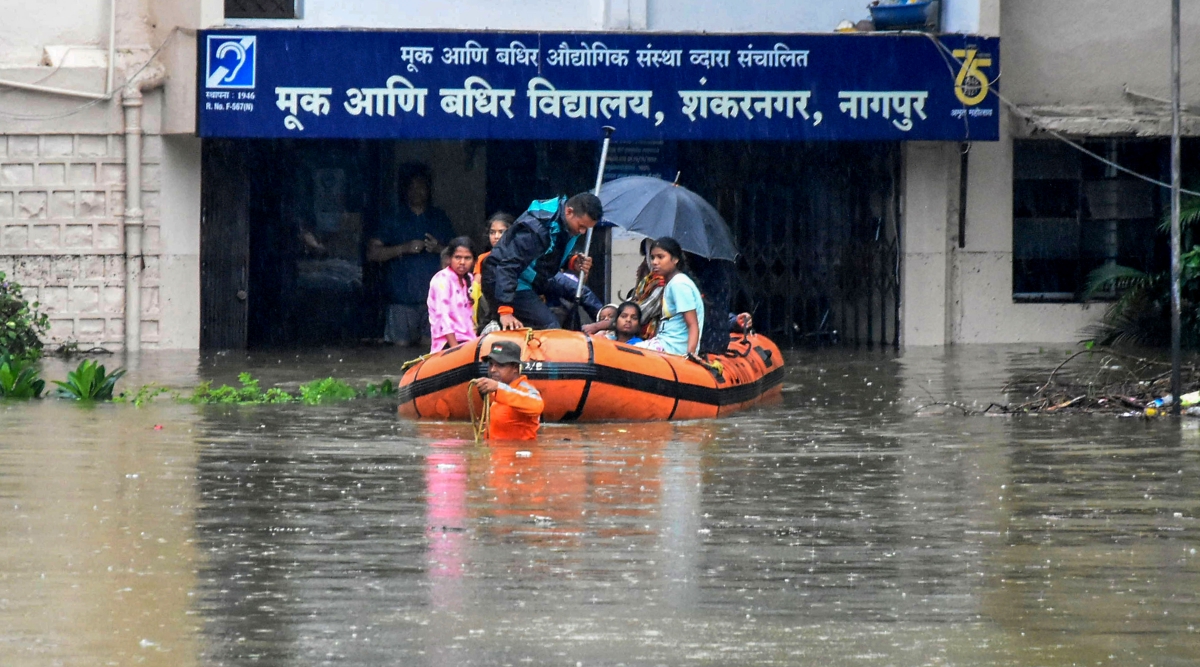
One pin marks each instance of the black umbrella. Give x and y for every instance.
(655, 208)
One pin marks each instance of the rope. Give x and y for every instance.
(479, 426)
(413, 362)
(480, 422)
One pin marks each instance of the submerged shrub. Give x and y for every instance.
(325, 391)
(1141, 313)
(144, 394)
(19, 378)
(21, 325)
(381, 390)
(248, 393)
(89, 382)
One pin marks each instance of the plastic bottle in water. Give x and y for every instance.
(1185, 401)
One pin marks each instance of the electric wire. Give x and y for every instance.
(92, 103)
(947, 53)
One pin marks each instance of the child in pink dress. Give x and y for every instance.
(449, 301)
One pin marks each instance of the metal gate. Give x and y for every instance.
(817, 226)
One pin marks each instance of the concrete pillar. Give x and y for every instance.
(930, 203)
(179, 263)
(626, 256)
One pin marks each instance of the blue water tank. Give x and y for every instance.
(906, 15)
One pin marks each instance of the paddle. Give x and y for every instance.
(578, 314)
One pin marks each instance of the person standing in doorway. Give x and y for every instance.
(449, 301)
(409, 245)
(496, 226)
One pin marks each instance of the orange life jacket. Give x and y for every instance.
(516, 411)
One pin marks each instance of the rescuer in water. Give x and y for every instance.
(516, 407)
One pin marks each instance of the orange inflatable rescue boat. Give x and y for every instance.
(582, 378)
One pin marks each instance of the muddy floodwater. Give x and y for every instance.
(843, 526)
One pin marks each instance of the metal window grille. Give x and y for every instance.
(1072, 215)
(261, 9)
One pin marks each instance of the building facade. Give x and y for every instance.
(113, 210)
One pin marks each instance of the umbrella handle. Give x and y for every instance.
(587, 243)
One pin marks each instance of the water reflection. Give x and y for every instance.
(838, 527)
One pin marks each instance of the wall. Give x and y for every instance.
(953, 295)
(962, 17)
(61, 201)
(1070, 53)
(29, 27)
(1076, 59)
(754, 15)
(62, 171)
(582, 15)
(981, 308)
(927, 209)
(25, 32)
(179, 259)
(179, 55)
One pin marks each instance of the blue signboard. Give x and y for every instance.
(458, 85)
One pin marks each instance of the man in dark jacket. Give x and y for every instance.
(538, 245)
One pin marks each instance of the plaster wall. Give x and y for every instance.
(179, 236)
(960, 17)
(29, 27)
(175, 23)
(981, 307)
(1085, 53)
(953, 295)
(581, 15)
(925, 270)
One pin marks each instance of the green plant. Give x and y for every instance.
(68, 349)
(1141, 313)
(89, 382)
(1189, 214)
(19, 379)
(324, 391)
(381, 390)
(144, 394)
(248, 393)
(21, 325)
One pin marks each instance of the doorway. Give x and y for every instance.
(817, 225)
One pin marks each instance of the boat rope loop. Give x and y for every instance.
(530, 340)
(479, 424)
(413, 362)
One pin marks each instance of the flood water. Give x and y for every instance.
(842, 527)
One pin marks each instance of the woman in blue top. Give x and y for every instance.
(682, 306)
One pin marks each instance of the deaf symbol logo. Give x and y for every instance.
(230, 62)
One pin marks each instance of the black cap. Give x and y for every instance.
(504, 352)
